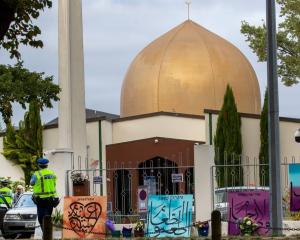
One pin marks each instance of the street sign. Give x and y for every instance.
(142, 198)
(97, 179)
(177, 177)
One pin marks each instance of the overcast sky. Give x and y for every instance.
(116, 30)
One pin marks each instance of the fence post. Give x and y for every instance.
(216, 227)
(47, 228)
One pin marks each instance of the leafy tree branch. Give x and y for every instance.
(18, 84)
(288, 43)
(16, 24)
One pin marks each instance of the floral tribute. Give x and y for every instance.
(139, 227)
(78, 178)
(247, 226)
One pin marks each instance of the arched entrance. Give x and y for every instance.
(156, 173)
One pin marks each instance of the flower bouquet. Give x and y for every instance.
(139, 229)
(202, 228)
(78, 178)
(247, 226)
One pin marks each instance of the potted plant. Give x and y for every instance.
(139, 229)
(57, 220)
(81, 184)
(78, 178)
(247, 226)
(203, 228)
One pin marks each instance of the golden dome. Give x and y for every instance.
(187, 70)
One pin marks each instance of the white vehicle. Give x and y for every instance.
(21, 218)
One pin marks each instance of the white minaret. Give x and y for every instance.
(71, 140)
(72, 123)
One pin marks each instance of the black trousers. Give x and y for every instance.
(43, 209)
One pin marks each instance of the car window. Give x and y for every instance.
(25, 201)
(221, 194)
(220, 197)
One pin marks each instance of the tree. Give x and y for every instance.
(18, 84)
(287, 40)
(263, 151)
(16, 25)
(25, 145)
(228, 143)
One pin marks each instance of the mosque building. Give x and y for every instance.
(170, 99)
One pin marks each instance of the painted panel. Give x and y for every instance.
(294, 178)
(84, 217)
(170, 215)
(254, 204)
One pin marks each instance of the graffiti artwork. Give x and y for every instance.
(294, 178)
(252, 203)
(84, 217)
(170, 215)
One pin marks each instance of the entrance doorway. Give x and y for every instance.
(156, 173)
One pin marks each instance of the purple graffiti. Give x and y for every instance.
(252, 203)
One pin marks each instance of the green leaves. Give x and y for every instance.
(263, 151)
(256, 36)
(287, 41)
(16, 25)
(18, 84)
(228, 143)
(25, 145)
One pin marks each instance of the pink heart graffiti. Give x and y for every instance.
(83, 218)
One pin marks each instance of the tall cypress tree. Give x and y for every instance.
(24, 146)
(263, 151)
(228, 143)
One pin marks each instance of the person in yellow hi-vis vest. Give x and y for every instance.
(44, 190)
(6, 193)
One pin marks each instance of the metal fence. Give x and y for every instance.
(248, 176)
(120, 184)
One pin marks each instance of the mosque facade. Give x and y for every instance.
(169, 104)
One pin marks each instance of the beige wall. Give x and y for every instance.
(288, 147)
(92, 129)
(159, 126)
(203, 160)
(50, 139)
(106, 136)
(214, 119)
(250, 128)
(60, 161)
(8, 169)
(250, 138)
(50, 144)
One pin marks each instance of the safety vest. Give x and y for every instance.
(7, 194)
(45, 185)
